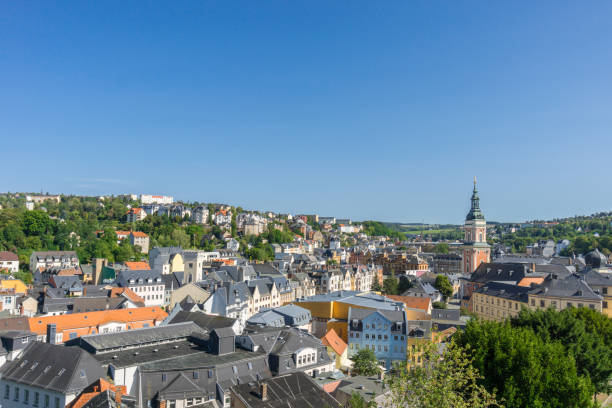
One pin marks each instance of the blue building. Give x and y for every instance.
(383, 331)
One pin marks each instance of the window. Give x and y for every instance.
(604, 291)
(210, 373)
(46, 401)
(395, 337)
(16, 395)
(189, 402)
(72, 336)
(605, 305)
(171, 404)
(250, 365)
(36, 396)
(26, 397)
(541, 303)
(196, 375)
(7, 392)
(367, 336)
(57, 404)
(532, 302)
(164, 376)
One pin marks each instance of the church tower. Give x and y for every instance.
(475, 247)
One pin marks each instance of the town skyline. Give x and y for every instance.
(376, 113)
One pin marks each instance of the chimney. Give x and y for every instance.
(51, 332)
(263, 391)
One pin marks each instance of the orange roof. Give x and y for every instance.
(139, 234)
(413, 302)
(129, 293)
(68, 272)
(526, 282)
(138, 266)
(94, 389)
(93, 319)
(122, 233)
(331, 339)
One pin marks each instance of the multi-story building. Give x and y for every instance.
(560, 294)
(199, 214)
(59, 329)
(57, 259)
(167, 259)
(135, 214)
(9, 261)
(330, 310)
(499, 301)
(449, 264)
(141, 239)
(383, 331)
(47, 376)
(264, 294)
(147, 284)
(475, 248)
(602, 283)
(156, 199)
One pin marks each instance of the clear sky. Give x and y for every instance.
(368, 110)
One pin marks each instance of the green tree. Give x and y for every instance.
(446, 381)
(35, 222)
(443, 285)
(390, 285)
(585, 334)
(357, 401)
(523, 369)
(365, 362)
(376, 286)
(404, 284)
(441, 248)
(438, 305)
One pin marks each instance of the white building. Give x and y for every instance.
(146, 284)
(156, 199)
(9, 261)
(58, 259)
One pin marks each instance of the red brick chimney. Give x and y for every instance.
(263, 391)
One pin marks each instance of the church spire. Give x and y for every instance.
(475, 213)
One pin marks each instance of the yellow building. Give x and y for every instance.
(601, 283)
(16, 284)
(330, 310)
(560, 294)
(499, 301)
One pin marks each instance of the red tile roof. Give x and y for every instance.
(331, 339)
(8, 256)
(139, 234)
(92, 319)
(413, 302)
(138, 266)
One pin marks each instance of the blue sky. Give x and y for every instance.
(366, 110)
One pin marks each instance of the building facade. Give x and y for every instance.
(475, 248)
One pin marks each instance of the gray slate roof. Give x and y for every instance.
(286, 391)
(55, 367)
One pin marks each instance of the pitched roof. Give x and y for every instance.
(15, 284)
(93, 390)
(331, 339)
(139, 234)
(138, 266)
(527, 281)
(286, 391)
(142, 336)
(126, 292)
(572, 286)
(92, 319)
(8, 256)
(413, 302)
(49, 366)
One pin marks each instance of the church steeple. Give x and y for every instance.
(475, 247)
(475, 213)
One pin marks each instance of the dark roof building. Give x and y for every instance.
(286, 391)
(50, 372)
